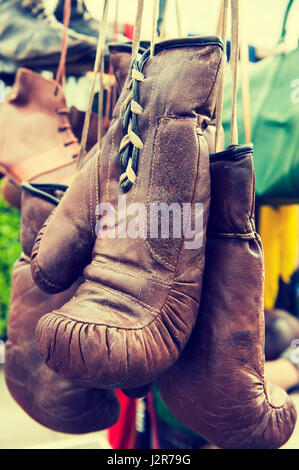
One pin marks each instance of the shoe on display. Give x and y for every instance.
(30, 36)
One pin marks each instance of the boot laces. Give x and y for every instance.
(65, 111)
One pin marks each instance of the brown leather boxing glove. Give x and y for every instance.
(133, 315)
(217, 386)
(49, 399)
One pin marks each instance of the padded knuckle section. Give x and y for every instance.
(111, 356)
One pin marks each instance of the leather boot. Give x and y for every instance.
(217, 386)
(134, 313)
(48, 135)
(281, 328)
(45, 396)
(36, 139)
(11, 190)
(32, 37)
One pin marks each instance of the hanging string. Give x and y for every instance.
(115, 29)
(178, 18)
(100, 102)
(244, 64)
(234, 59)
(219, 29)
(137, 29)
(97, 68)
(60, 74)
(163, 23)
(219, 104)
(154, 27)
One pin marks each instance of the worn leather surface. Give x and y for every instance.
(45, 149)
(45, 396)
(120, 59)
(217, 386)
(281, 328)
(133, 315)
(31, 40)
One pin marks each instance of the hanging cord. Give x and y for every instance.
(163, 23)
(219, 104)
(244, 66)
(97, 68)
(60, 75)
(137, 29)
(100, 102)
(178, 18)
(285, 20)
(154, 27)
(115, 28)
(234, 58)
(219, 29)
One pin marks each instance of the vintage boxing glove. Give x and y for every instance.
(217, 386)
(51, 400)
(133, 315)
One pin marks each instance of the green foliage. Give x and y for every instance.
(10, 250)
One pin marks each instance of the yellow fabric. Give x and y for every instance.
(278, 228)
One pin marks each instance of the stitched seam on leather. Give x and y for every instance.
(154, 280)
(109, 162)
(244, 236)
(163, 261)
(215, 80)
(251, 217)
(97, 185)
(156, 318)
(90, 200)
(93, 187)
(38, 269)
(128, 297)
(67, 318)
(195, 183)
